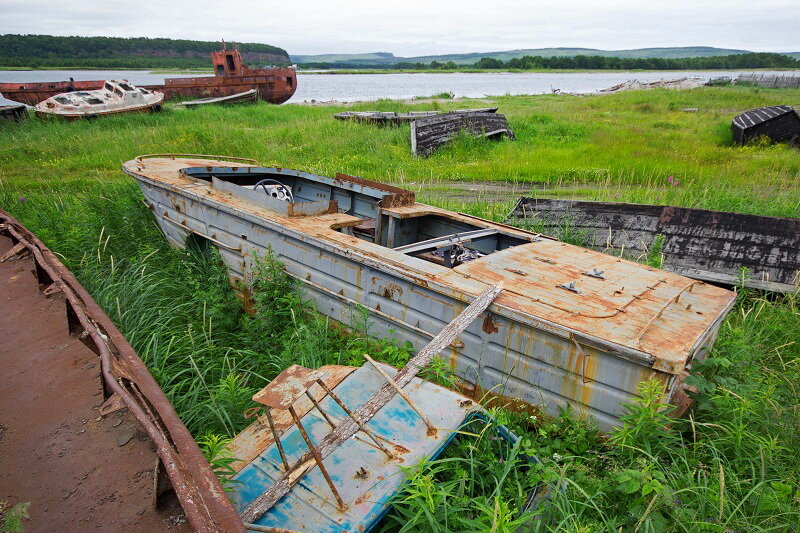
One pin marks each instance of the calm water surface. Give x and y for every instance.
(353, 87)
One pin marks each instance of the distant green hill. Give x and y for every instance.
(385, 58)
(115, 52)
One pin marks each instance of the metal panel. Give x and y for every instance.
(364, 477)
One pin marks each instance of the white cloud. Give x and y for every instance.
(416, 27)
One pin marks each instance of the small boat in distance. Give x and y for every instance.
(238, 98)
(115, 97)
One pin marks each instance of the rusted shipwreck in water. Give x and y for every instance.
(573, 326)
(706, 245)
(231, 76)
(90, 438)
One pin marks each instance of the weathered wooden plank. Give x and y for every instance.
(363, 414)
(429, 133)
(707, 245)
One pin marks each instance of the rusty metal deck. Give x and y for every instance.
(86, 434)
(572, 325)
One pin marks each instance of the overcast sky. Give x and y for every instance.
(417, 27)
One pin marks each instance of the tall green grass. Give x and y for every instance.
(732, 464)
(622, 147)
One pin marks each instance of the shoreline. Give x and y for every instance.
(401, 71)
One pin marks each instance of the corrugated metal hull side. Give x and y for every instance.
(515, 354)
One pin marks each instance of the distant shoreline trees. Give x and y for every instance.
(726, 62)
(34, 51)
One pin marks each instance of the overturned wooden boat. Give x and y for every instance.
(573, 326)
(394, 117)
(777, 123)
(13, 112)
(705, 245)
(239, 98)
(231, 76)
(430, 133)
(116, 97)
(91, 439)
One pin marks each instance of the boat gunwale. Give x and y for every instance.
(200, 493)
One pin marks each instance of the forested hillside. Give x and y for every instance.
(388, 60)
(115, 52)
(726, 62)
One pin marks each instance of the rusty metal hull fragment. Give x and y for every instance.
(556, 335)
(706, 245)
(123, 383)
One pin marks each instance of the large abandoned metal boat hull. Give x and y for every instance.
(707, 245)
(573, 326)
(64, 363)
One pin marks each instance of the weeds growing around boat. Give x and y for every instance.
(731, 465)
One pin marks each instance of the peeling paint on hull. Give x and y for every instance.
(540, 342)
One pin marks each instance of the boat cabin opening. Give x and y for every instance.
(380, 211)
(227, 63)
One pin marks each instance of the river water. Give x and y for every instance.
(354, 87)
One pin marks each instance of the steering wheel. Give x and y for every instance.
(287, 192)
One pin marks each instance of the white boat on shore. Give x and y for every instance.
(116, 96)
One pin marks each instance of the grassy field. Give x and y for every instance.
(730, 465)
